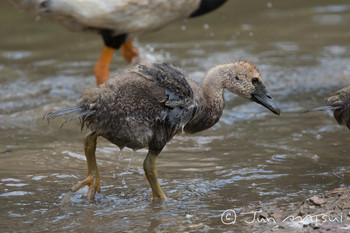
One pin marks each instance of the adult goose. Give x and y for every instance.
(117, 21)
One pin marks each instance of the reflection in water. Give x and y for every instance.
(301, 49)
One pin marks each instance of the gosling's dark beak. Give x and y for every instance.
(261, 96)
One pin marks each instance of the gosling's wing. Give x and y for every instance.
(179, 94)
(169, 77)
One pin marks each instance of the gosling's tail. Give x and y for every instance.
(323, 108)
(78, 111)
(341, 114)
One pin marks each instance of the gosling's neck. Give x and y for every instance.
(210, 101)
(213, 85)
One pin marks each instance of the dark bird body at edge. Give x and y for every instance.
(339, 103)
(147, 105)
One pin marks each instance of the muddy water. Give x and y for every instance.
(302, 49)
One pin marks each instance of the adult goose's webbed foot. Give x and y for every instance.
(93, 176)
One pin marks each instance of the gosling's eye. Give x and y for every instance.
(255, 80)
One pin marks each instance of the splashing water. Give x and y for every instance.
(119, 158)
(127, 169)
(132, 158)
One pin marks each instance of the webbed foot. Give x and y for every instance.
(92, 182)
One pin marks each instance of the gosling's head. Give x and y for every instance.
(244, 79)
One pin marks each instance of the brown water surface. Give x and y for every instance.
(302, 49)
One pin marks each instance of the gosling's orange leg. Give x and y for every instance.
(149, 166)
(129, 51)
(102, 65)
(93, 176)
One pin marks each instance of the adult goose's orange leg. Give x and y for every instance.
(93, 177)
(129, 51)
(102, 65)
